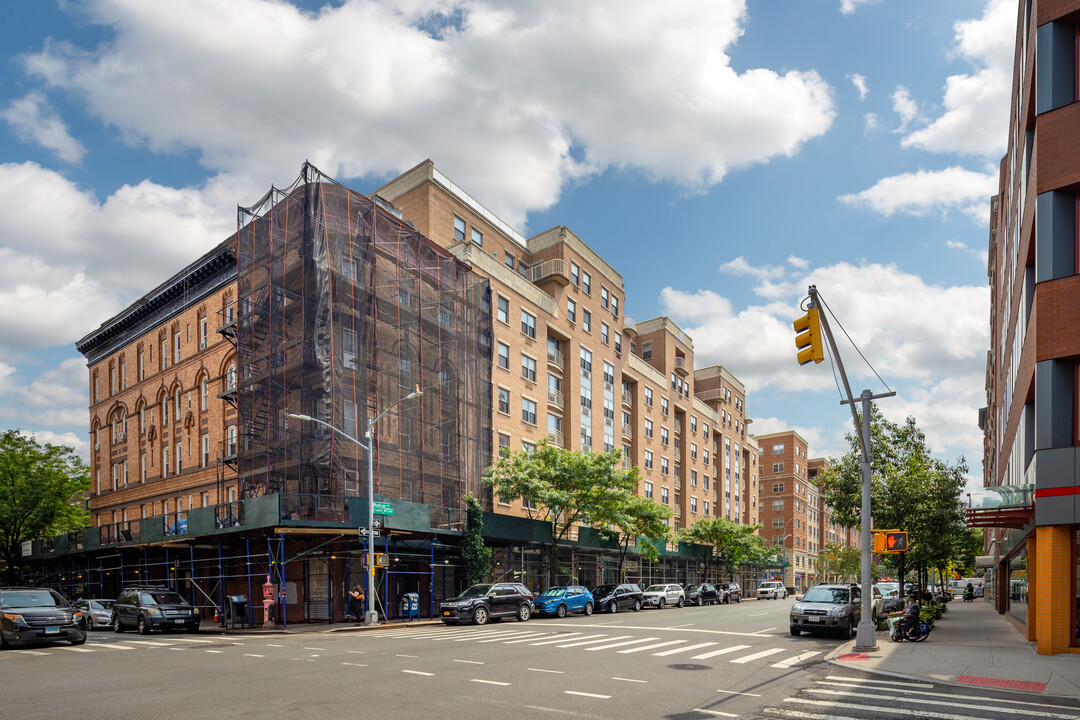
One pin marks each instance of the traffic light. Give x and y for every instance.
(890, 542)
(879, 543)
(808, 337)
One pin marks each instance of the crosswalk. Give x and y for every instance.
(838, 697)
(600, 642)
(94, 644)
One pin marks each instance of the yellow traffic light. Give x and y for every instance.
(879, 543)
(808, 337)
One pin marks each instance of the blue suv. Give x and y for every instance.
(563, 600)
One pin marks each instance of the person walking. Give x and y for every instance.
(356, 603)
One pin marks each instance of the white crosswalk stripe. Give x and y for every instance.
(596, 639)
(795, 660)
(688, 648)
(721, 651)
(563, 637)
(758, 655)
(517, 635)
(650, 647)
(621, 644)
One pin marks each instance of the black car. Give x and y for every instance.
(147, 608)
(613, 598)
(703, 594)
(480, 603)
(732, 592)
(31, 615)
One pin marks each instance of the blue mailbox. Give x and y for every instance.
(410, 606)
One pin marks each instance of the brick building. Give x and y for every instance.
(1031, 459)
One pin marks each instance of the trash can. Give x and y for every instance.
(410, 606)
(236, 610)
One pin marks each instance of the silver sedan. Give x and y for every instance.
(98, 613)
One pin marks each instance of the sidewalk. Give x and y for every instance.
(970, 645)
(300, 628)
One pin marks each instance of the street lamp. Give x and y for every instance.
(372, 615)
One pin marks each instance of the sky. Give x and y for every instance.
(721, 154)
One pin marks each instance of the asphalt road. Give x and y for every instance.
(724, 661)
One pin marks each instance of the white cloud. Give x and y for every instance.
(980, 255)
(33, 120)
(859, 81)
(739, 266)
(81, 445)
(798, 262)
(924, 191)
(266, 85)
(847, 7)
(976, 105)
(905, 107)
(870, 122)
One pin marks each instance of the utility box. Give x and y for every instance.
(410, 606)
(236, 610)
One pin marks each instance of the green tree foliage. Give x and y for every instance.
(476, 554)
(41, 488)
(640, 521)
(910, 490)
(968, 546)
(728, 543)
(839, 563)
(564, 488)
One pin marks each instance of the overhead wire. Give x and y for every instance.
(852, 342)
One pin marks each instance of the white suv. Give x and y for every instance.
(660, 595)
(771, 590)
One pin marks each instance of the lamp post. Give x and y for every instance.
(372, 615)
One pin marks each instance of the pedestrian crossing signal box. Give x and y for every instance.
(382, 560)
(888, 542)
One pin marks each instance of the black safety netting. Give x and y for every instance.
(343, 311)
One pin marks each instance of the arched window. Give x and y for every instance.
(204, 394)
(230, 378)
(230, 445)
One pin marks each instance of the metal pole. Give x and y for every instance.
(372, 615)
(865, 639)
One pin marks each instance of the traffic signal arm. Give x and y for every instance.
(808, 337)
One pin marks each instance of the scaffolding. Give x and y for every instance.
(343, 310)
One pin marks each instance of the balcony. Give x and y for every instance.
(555, 399)
(627, 431)
(550, 270)
(627, 398)
(680, 366)
(555, 358)
(678, 427)
(626, 462)
(555, 437)
(629, 326)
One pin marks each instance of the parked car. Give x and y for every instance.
(563, 600)
(146, 607)
(877, 601)
(703, 594)
(97, 613)
(771, 590)
(833, 608)
(613, 598)
(732, 592)
(660, 595)
(480, 603)
(31, 615)
(891, 600)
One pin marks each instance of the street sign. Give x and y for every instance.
(383, 508)
(377, 523)
(364, 533)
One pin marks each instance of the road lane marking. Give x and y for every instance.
(354, 664)
(651, 647)
(585, 694)
(355, 652)
(399, 655)
(273, 645)
(528, 639)
(547, 709)
(758, 632)
(216, 652)
(721, 651)
(35, 652)
(878, 682)
(493, 635)
(253, 655)
(553, 672)
(313, 648)
(758, 655)
(114, 646)
(194, 640)
(516, 636)
(732, 692)
(937, 715)
(470, 662)
(490, 682)
(567, 636)
(148, 642)
(651, 628)
(715, 712)
(938, 702)
(954, 697)
(758, 614)
(417, 672)
(629, 680)
(602, 638)
(795, 660)
(688, 648)
(74, 649)
(621, 644)
(676, 627)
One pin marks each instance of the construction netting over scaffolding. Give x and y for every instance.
(344, 310)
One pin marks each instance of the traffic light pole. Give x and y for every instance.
(865, 640)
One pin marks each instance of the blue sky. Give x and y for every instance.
(721, 154)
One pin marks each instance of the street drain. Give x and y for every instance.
(689, 666)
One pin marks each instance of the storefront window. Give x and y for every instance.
(1018, 585)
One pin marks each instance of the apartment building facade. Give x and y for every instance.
(1031, 441)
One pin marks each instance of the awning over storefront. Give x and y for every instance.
(1002, 506)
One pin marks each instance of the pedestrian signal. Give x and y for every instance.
(890, 542)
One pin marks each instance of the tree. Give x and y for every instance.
(910, 490)
(476, 554)
(636, 519)
(730, 543)
(564, 488)
(41, 488)
(744, 546)
(968, 546)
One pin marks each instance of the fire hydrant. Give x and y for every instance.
(268, 604)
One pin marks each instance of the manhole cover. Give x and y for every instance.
(689, 666)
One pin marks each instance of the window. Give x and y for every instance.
(646, 350)
(164, 354)
(509, 260)
(609, 373)
(230, 441)
(663, 466)
(504, 401)
(504, 356)
(615, 306)
(176, 348)
(693, 478)
(586, 283)
(693, 423)
(202, 333)
(478, 237)
(528, 411)
(664, 495)
(693, 451)
(123, 374)
(705, 456)
(528, 324)
(603, 297)
(777, 504)
(706, 508)
(504, 447)
(575, 273)
(778, 522)
(205, 450)
(777, 449)
(142, 468)
(586, 361)
(618, 342)
(664, 406)
(648, 396)
(179, 458)
(503, 311)
(348, 268)
(648, 491)
(349, 415)
(142, 366)
(204, 394)
(693, 504)
(586, 321)
(571, 310)
(778, 467)
(663, 435)
(648, 428)
(459, 229)
(648, 460)
(528, 368)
